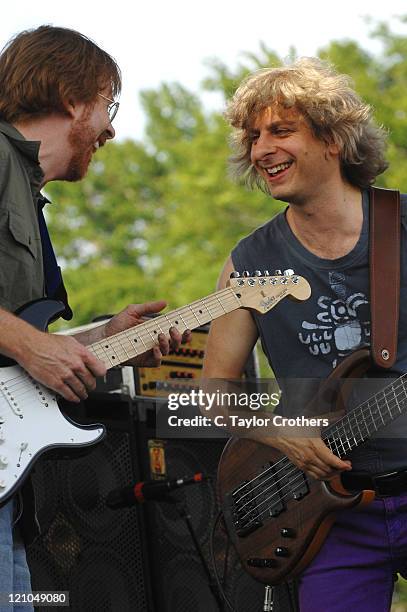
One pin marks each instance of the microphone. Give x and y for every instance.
(137, 493)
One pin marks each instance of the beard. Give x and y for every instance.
(81, 139)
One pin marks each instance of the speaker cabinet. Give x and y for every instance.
(178, 575)
(141, 559)
(95, 553)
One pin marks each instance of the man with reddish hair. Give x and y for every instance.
(58, 93)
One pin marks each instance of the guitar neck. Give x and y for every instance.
(368, 418)
(119, 348)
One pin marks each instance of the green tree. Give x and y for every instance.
(157, 218)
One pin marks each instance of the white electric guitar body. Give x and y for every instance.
(31, 422)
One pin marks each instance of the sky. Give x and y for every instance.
(169, 40)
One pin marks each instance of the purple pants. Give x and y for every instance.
(356, 566)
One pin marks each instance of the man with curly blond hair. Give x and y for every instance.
(302, 135)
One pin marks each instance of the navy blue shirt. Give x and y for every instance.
(306, 340)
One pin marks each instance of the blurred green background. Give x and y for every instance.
(157, 218)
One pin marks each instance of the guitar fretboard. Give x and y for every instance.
(362, 422)
(125, 345)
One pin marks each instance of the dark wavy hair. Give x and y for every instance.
(326, 99)
(43, 69)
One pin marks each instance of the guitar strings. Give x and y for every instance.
(21, 382)
(149, 327)
(300, 474)
(149, 330)
(211, 304)
(284, 461)
(148, 334)
(353, 415)
(212, 301)
(288, 484)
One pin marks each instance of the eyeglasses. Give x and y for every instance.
(112, 108)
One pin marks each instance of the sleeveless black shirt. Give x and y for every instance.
(306, 340)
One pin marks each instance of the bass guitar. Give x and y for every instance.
(277, 516)
(30, 420)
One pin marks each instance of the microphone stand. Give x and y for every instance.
(186, 517)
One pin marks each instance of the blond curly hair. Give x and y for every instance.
(326, 99)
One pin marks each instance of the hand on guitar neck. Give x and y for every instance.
(135, 314)
(63, 364)
(60, 363)
(311, 455)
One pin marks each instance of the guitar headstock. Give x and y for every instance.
(262, 292)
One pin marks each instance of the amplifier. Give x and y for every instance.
(192, 353)
(170, 377)
(119, 380)
(179, 371)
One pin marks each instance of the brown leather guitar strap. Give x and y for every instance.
(384, 237)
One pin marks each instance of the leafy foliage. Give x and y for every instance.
(157, 218)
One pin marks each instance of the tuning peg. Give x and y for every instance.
(235, 274)
(257, 273)
(266, 273)
(246, 273)
(289, 272)
(277, 273)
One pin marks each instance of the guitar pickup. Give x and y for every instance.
(273, 490)
(258, 499)
(300, 488)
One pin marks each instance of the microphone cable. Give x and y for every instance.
(213, 559)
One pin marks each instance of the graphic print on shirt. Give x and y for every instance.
(343, 323)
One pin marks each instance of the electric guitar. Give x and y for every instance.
(30, 420)
(277, 516)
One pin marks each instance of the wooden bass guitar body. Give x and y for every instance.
(277, 516)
